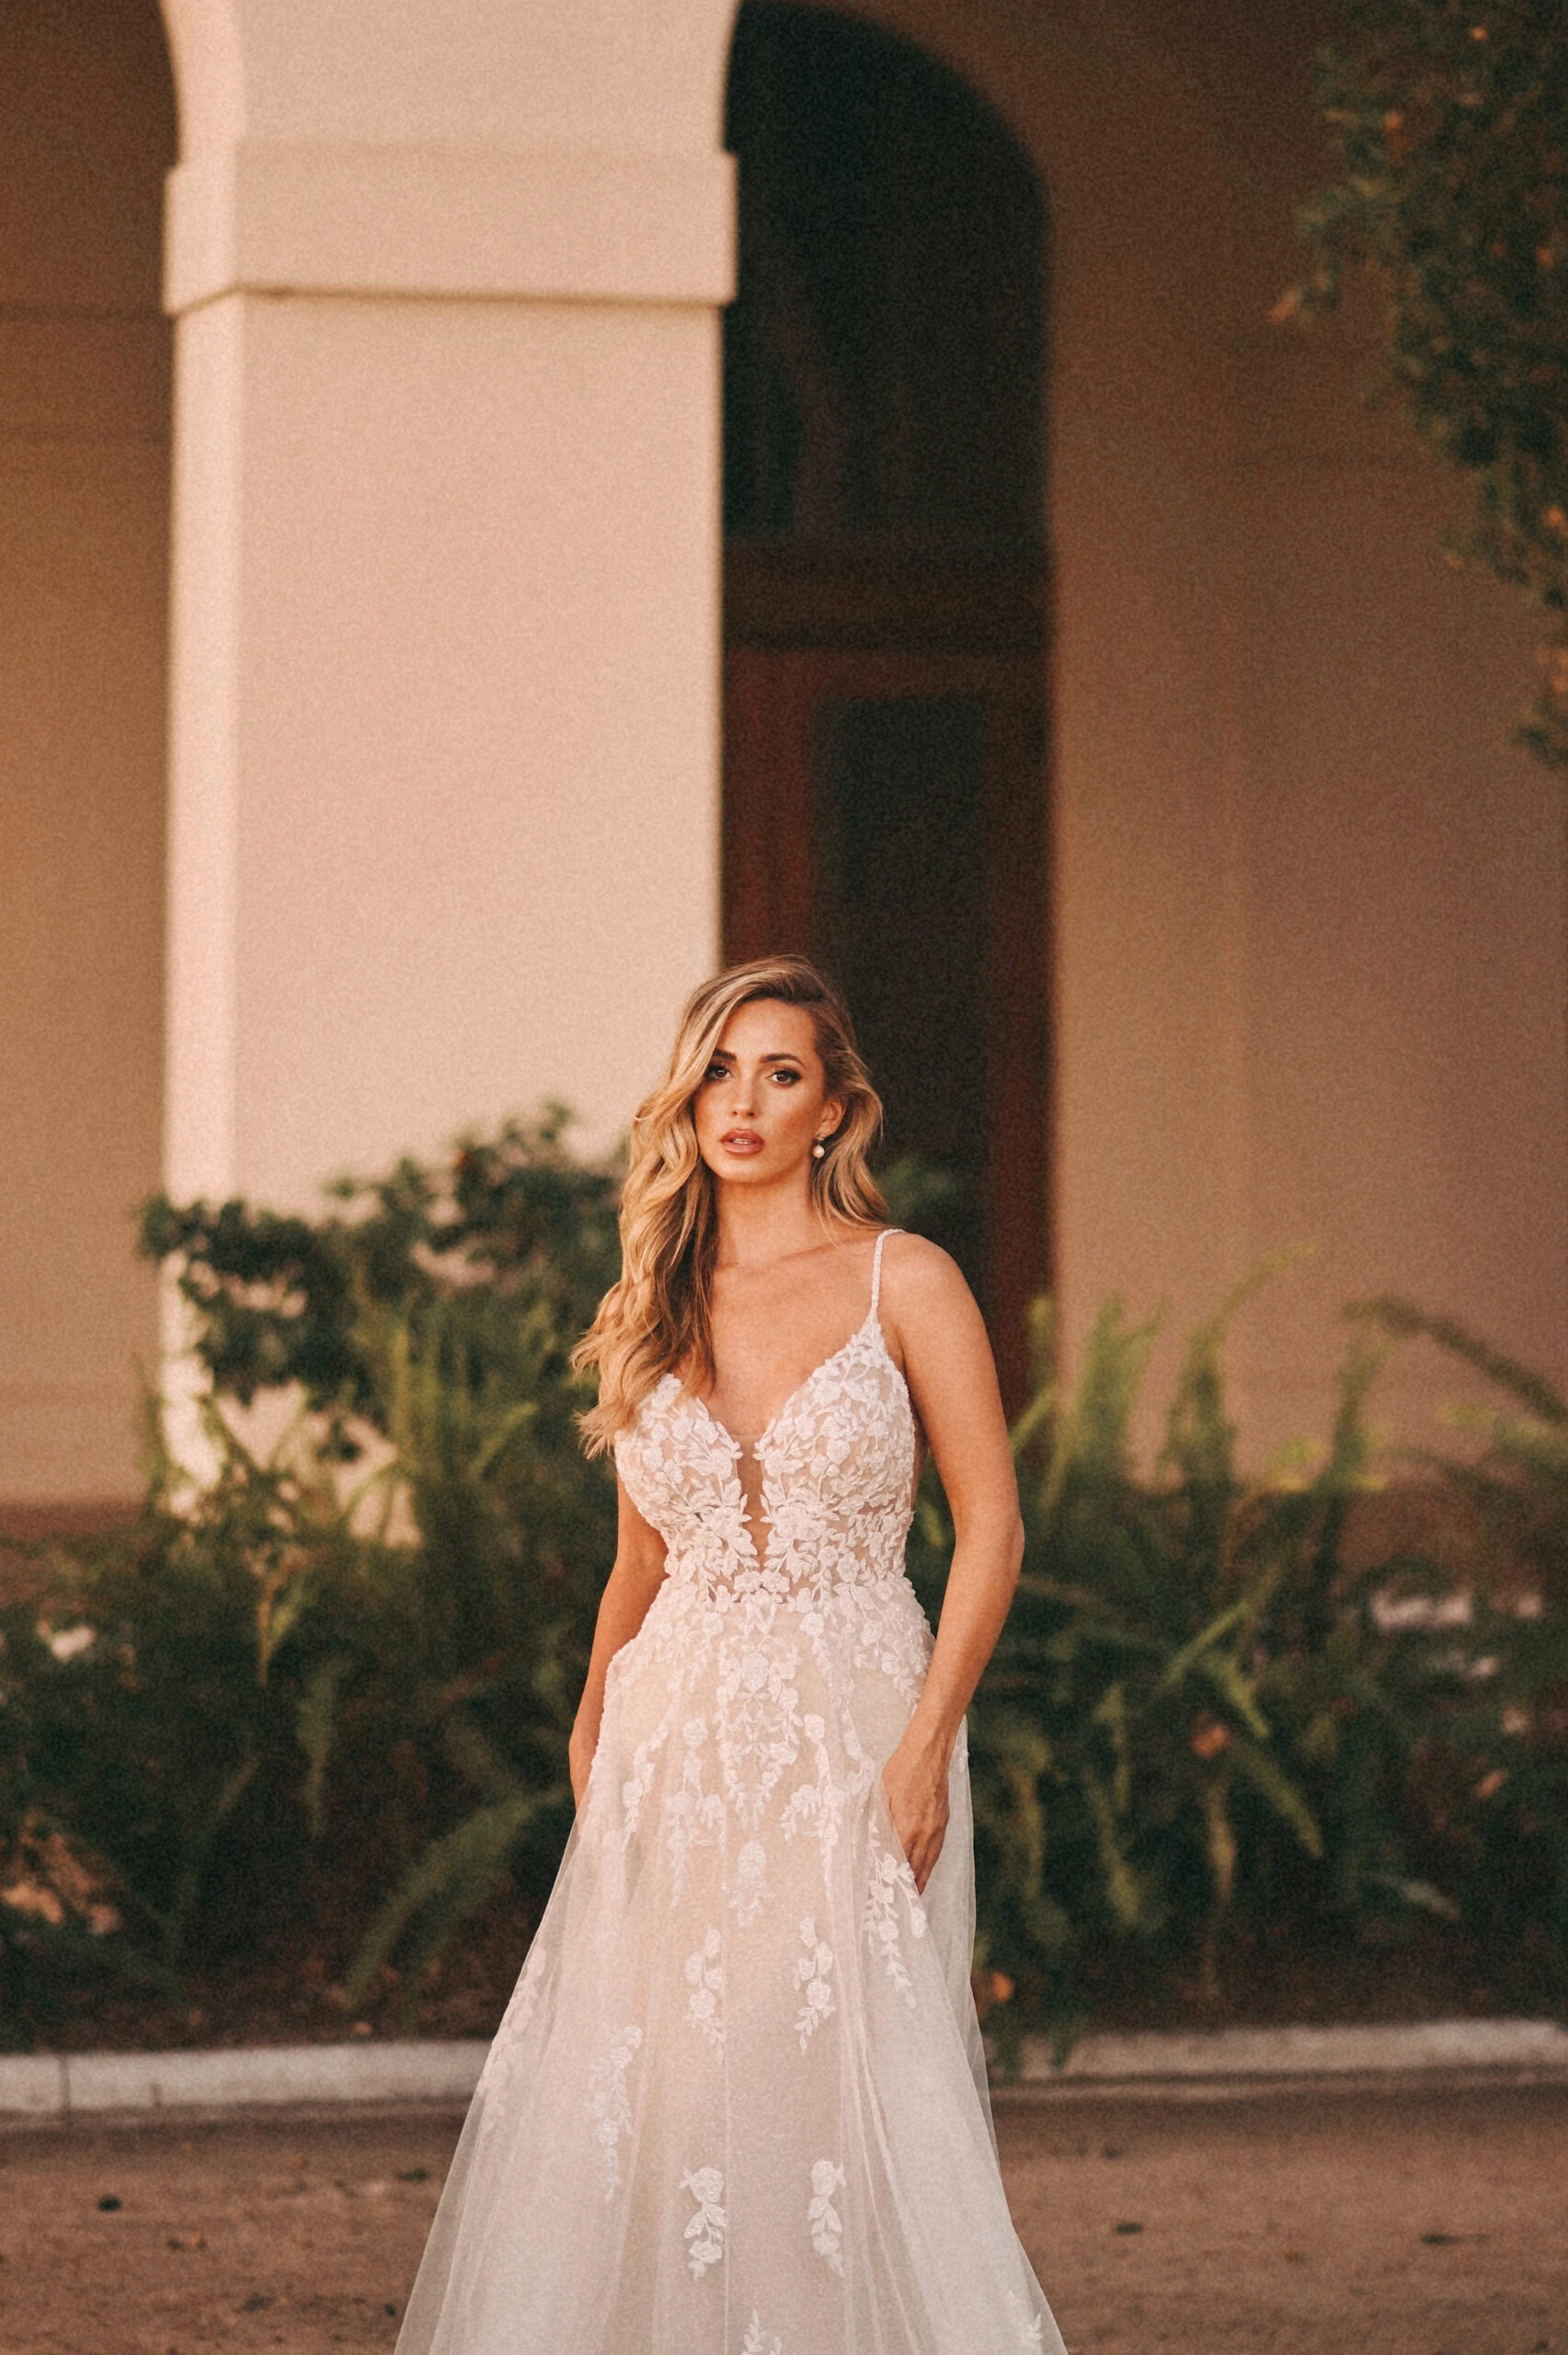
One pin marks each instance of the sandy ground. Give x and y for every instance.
(1414, 2222)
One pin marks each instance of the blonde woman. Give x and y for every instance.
(737, 2105)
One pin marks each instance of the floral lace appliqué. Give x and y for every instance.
(837, 1466)
(610, 2105)
(639, 1782)
(758, 2341)
(758, 1715)
(888, 1878)
(694, 1817)
(704, 1977)
(827, 2224)
(705, 2235)
(1031, 2326)
(813, 1973)
(750, 1892)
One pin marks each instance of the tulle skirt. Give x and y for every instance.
(737, 2103)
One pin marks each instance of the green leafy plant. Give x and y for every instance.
(1497, 1763)
(1213, 1717)
(316, 1704)
(340, 1673)
(1452, 119)
(436, 1314)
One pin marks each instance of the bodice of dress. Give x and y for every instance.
(837, 1464)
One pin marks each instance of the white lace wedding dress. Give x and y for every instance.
(737, 2104)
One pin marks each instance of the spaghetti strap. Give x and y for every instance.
(876, 1268)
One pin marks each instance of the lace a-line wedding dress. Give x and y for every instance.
(737, 2105)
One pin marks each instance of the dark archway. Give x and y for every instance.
(885, 799)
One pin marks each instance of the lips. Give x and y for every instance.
(742, 1141)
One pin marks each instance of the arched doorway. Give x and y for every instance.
(885, 617)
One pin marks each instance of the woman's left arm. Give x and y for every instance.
(948, 1365)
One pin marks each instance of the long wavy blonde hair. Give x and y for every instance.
(659, 1319)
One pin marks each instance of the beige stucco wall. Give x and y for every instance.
(88, 130)
(444, 757)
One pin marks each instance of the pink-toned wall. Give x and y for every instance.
(84, 540)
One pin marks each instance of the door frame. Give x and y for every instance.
(833, 630)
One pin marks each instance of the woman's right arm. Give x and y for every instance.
(633, 1583)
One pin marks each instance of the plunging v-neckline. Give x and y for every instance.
(754, 1447)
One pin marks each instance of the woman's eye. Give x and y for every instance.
(716, 1071)
(788, 1078)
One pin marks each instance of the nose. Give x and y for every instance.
(743, 1096)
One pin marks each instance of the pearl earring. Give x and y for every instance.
(818, 1150)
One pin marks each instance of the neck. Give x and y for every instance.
(761, 1223)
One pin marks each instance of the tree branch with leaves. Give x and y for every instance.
(1451, 120)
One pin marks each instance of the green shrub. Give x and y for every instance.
(349, 1665)
(1212, 1718)
(321, 1705)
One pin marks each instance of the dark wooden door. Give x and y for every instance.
(885, 814)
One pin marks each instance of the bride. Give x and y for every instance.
(737, 2102)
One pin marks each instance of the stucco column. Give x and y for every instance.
(444, 757)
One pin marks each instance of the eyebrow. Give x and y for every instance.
(785, 1058)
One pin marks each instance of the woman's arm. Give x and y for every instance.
(951, 1376)
(631, 1585)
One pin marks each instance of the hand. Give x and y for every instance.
(579, 1759)
(915, 1781)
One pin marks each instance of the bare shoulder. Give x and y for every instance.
(938, 1337)
(921, 1281)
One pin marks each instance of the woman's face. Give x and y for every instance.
(763, 1102)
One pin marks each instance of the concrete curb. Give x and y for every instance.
(1221, 2055)
(54, 2085)
(71, 2085)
